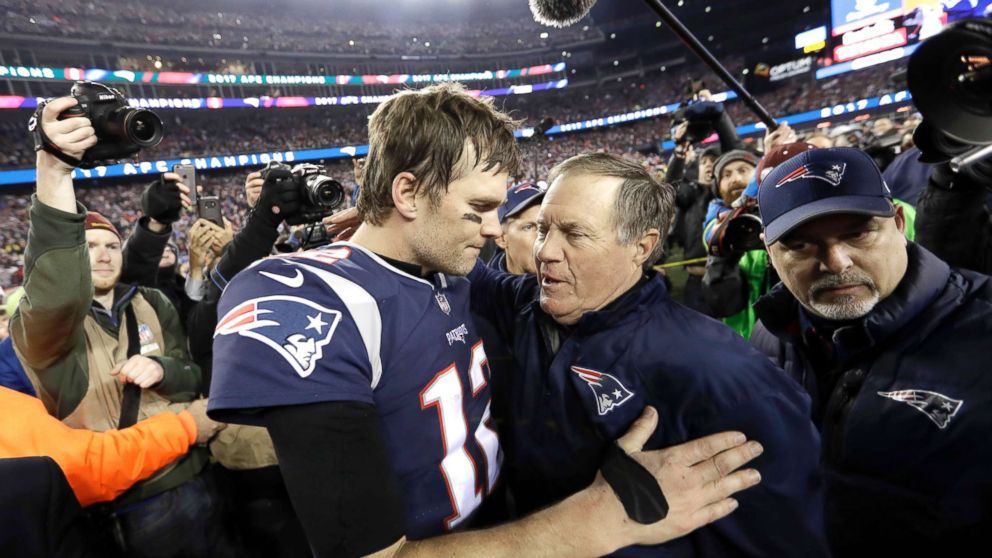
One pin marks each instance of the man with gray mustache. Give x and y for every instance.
(892, 345)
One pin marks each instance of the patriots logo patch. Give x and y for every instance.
(832, 174)
(936, 406)
(295, 328)
(606, 388)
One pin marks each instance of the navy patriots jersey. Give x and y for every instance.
(341, 324)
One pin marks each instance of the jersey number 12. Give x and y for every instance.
(459, 470)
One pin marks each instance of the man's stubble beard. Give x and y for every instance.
(434, 252)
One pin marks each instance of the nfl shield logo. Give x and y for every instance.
(442, 302)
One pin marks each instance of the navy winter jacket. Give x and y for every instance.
(905, 414)
(564, 406)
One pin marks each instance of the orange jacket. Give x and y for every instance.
(99, 465)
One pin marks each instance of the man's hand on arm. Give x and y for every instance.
(697, 479)
(73, 136)
(205, 428)
(342, 224)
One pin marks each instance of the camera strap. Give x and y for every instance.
(131, 401)
(41, 140)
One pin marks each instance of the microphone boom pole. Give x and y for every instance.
(701, 51)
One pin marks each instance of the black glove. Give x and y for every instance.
(161, 201)
(279, 190)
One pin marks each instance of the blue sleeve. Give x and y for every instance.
(497, 295)
(283, 341)
(713, 211)
(782, 516)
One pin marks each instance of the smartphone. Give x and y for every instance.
(187, 175)
(208, 207)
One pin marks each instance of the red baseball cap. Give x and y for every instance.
(95, 221)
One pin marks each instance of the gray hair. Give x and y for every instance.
(642, 203)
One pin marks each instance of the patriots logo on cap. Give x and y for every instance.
(295, 328)
(524, 187)
(936, 406)
(832, 173)
(606, 388)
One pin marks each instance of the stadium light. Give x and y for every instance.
(544, 34)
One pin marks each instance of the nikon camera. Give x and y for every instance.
(320, 194)
(121, 130)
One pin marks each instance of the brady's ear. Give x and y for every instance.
(405, 195)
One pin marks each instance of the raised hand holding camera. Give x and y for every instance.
(121, 131)
(279, 197)
(316, 195)
(72, 137)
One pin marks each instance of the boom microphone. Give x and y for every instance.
(560, 13)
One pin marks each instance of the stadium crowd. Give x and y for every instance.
(261, 29)
(192, 133)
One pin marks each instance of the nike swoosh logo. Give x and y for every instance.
(291, 282)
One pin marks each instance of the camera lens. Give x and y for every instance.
(142, 127)
(325, 191)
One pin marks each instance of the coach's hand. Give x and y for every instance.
(697, 478)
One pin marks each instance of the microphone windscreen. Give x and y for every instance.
(560, 13)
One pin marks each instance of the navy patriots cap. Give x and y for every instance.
(519, 198)
(821, 182)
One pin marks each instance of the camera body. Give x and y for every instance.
(319, 193)
(737, 231)
(121, 130)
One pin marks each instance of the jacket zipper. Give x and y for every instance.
(841, 400)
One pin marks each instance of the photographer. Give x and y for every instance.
(81, 334)
(732, 276)
(692, 199)
(146, 247)
(271, 201)
(701, 119)
(251, 481)
(954, 220)
(205, 244)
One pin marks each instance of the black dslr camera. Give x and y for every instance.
(320, 194)
(121, 131)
